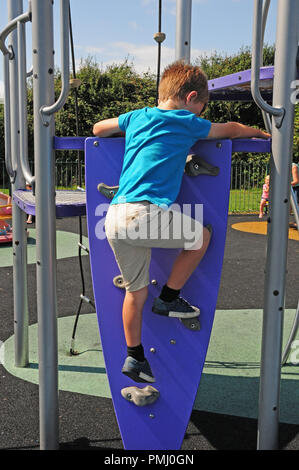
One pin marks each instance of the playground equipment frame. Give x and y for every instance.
(279, 117)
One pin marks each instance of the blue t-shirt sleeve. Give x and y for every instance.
(201, 127)
(123, 120)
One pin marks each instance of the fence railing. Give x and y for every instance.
(247, 179)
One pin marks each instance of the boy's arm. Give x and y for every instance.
(235, 130)
(107, 128)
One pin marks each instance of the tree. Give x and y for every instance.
(108, 92)
(217, 65)
(103, 94)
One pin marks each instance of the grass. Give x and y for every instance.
(240, 200)
(5, 191)
(243, 201)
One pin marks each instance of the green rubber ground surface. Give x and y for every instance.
(66, 242)
(230, 380)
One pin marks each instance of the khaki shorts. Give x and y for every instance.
(132, 229)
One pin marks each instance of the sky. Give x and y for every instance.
(114, 30)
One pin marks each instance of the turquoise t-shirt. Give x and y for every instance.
(157, 145)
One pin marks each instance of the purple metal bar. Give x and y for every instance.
(240, 79)
(239, 145)
(252, 145)
(69, 143)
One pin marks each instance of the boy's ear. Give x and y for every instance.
(192, 95)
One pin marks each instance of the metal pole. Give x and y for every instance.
(266, 6)
(183, 30)
(287, 36)
(43, 95)
(15, 8)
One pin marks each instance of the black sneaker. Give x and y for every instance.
(178, 308)
(138, 371)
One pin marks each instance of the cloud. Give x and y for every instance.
(144, 57)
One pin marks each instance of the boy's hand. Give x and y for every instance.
(235, 130)
(264, 135)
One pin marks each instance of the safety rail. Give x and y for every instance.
(47, 111)
(23, 118)
(259, 25)
(8, 54)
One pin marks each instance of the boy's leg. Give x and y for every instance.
(132, 260)
(186, 262)
(136, 365)
(169, 303)
(132, 316)
(262, 204)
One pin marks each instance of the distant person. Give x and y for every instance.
(295, 179)
(295, 186)
(265, 196)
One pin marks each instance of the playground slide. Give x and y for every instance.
(5, 219)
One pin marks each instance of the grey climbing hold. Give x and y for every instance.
(140, 396)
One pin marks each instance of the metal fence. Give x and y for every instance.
(247, 180)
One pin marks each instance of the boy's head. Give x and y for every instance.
(179, 79)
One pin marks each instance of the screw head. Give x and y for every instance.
(96, 143)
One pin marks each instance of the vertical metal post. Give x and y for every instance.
(15, 8)
(43, 95)
(287, 36)
(183, 30)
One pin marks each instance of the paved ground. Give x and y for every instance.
(88, 422)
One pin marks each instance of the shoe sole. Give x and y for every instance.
(139, 378)
(181, 315)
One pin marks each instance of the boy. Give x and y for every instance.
(157, 144)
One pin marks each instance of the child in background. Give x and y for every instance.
(265, 196)
(29, 188)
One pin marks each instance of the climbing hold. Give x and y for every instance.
(75, 82)
(192, 324)
(159, 37)
(140, 396)
(195, 166)
(118, 281)
(107, 191)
